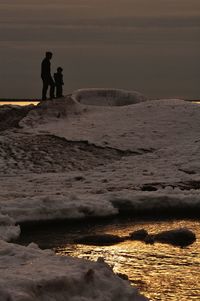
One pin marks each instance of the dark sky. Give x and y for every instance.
(148, 45)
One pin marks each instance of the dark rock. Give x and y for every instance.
(179, 237)
(138, 235)
(122, 276)
(149, 239)
(99, 240)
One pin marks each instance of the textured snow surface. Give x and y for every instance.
(71, 160)
(8, 229)
(107, 97)
(67, 159)
(52, 111)
(30, 274)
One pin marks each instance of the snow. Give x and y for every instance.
(31, 274)
(52, 207)
(68, 159)
(107, 97)
(72, 160)
(8, 229)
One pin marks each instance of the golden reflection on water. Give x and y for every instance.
(160, 271)
(18, 103)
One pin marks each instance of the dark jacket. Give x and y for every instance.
(58, 78)
(46, 69)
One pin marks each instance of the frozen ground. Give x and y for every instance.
(72, 160)
(30, 161)
(68, 159)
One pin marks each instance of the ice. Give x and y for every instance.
(54, 207)
(72, 160)
(107, 97)
(68, 159)
(8, 229)
(51, 111)
(32, 274)
(10, 115)
(118, 153)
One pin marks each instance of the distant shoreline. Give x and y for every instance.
(39, 100)
(19, 100)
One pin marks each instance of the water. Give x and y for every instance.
(161, 271)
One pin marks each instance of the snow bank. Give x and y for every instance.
(53, 207)
(159, 148)
(51, 110)
(68, 206)
(159, 202)
(10, 115)
(31, 274)
(8, 230)
(71, 107)
(157, 170)
(107, 97)
(146, 125)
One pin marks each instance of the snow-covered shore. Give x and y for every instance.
(30, 274)
(70, 159)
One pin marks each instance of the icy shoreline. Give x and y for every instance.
(29, 273)
(65, 159)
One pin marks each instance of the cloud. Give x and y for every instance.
(168, 22)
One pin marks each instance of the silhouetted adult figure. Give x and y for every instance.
(46, 77)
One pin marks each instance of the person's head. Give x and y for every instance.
(59, 70)
(49, 55)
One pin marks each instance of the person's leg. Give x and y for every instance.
(52, 88)
(59, 91)
(44, 90)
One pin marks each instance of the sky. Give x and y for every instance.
(151, 46)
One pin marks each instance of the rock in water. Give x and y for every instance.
(182, 237)
(138, 235)
(149, 239)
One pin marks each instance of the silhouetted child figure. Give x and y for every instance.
(58, 78)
